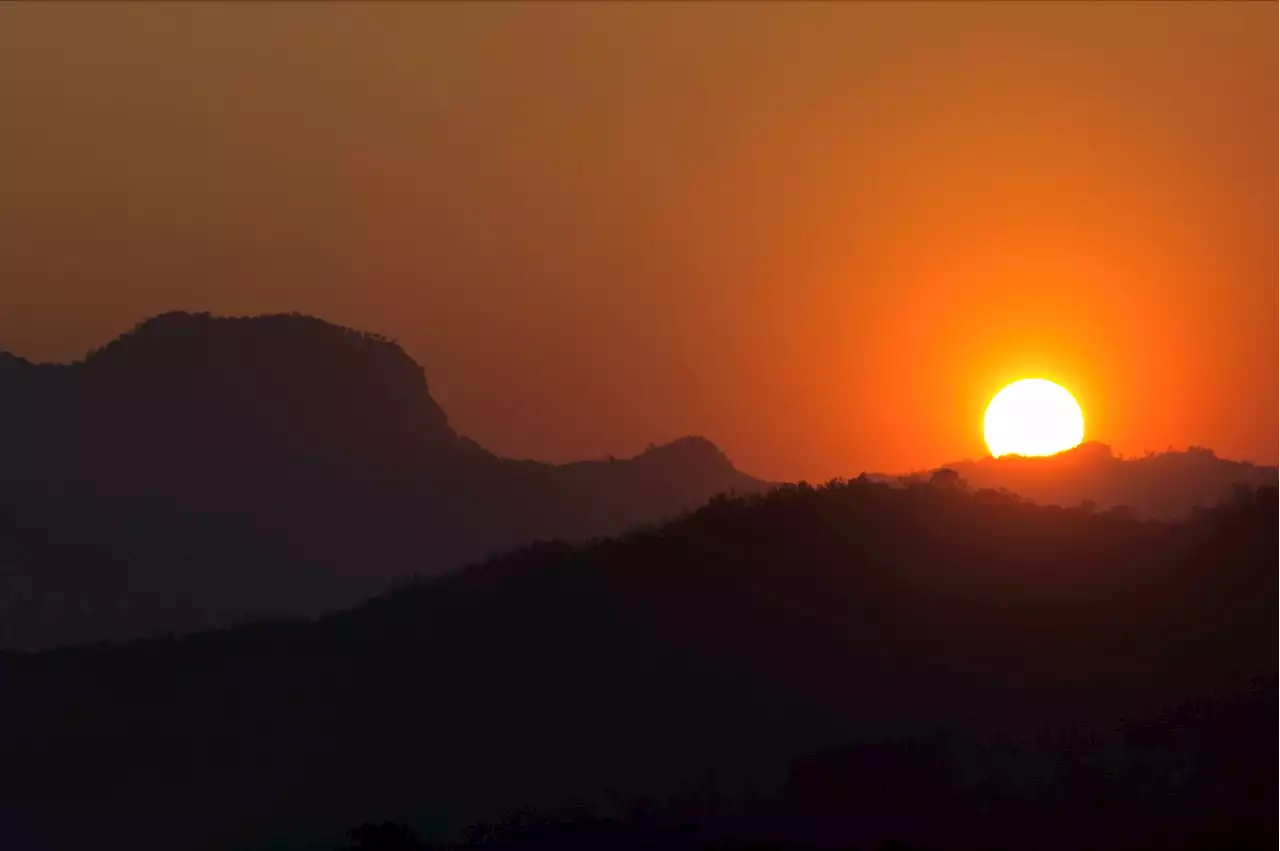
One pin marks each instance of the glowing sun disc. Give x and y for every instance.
(1032, 417)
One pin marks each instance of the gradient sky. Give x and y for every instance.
(822, 236)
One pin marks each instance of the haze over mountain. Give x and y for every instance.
(1157, 485)
(199, 471)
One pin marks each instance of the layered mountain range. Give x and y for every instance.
(203, 471)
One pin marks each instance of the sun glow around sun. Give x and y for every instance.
(1032, 417)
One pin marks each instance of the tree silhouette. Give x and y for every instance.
(946, 478)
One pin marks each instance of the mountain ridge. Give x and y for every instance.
(256, 451)
(1156, 485)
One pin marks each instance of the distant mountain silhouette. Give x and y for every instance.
(1158, 485)
(825, 667)
(211, 470)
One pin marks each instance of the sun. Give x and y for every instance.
(1032, 417)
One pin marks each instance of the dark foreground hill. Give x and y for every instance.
(827, 667)
(200, 471)
(1159, 484)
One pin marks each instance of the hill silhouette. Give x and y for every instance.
(811, 667)
(1158, 485)
(200, 471)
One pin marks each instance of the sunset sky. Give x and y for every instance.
(821, 236)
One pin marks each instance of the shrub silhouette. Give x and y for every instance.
(386, 836)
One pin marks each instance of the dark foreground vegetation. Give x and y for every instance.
(817, 667)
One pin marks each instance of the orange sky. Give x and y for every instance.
(822, 236)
